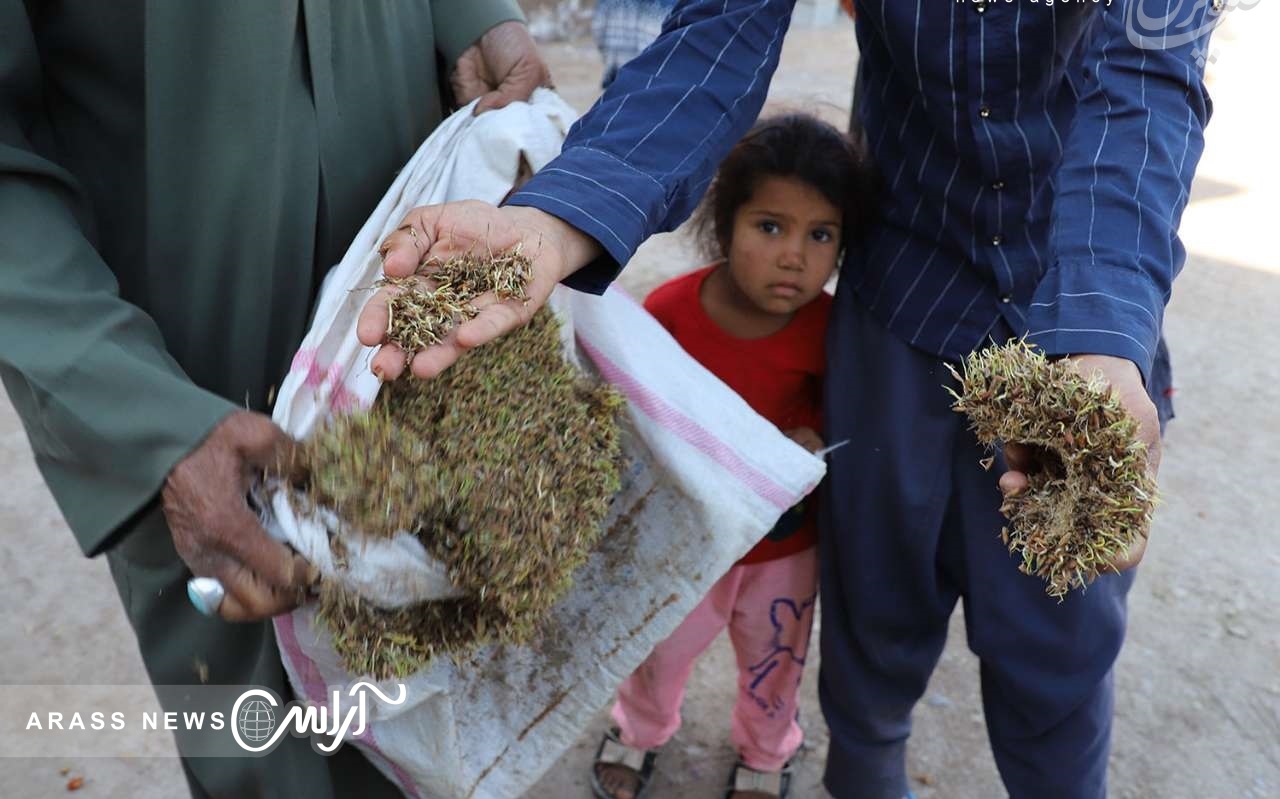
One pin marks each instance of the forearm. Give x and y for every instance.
(107, 411)
(1123, 183)
(459, 23)
(639, 161)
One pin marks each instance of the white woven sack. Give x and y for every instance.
(706, 478)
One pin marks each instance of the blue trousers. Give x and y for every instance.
(911, 524)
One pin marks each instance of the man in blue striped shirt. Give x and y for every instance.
(1037, 158)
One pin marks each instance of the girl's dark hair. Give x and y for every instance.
(792, 146)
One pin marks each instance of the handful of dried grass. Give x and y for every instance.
(1094, 498)
(421, 314)
(504, 467)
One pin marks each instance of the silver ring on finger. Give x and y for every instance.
(206, 594)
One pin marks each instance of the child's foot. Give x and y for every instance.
(620, 771)
(619, 782)
(747, 783)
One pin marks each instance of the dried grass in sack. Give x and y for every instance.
(503, 467)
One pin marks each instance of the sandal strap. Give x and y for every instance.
(748, 779)
(616, 753)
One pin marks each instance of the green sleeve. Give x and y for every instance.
(459, 23)
(107, 410)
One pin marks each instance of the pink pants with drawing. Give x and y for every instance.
(768, 608)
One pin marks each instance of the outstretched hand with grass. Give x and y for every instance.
(1082, 442)
(433, 234)
(1126, 385)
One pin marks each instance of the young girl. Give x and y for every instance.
(785, 201)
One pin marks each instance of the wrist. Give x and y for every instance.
(1113, 367)
(576, 249)
(499, 32)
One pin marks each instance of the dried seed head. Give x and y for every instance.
(1095, 498)
(429, 304)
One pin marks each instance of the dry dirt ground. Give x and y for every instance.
(1198, 700)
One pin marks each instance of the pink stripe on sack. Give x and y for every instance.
(342, 401)
(673, 420)
(317, 376)
(334, 375)
(402, 777)
(313, 685)
(303, 359)
(314, 689)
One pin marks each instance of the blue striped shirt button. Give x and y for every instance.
(997, 240)
(980, 6)
(984, 111)
(1006, 298)
(998, 185)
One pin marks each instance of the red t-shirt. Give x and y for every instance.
(779, 376)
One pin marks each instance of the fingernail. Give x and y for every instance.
(377, 372)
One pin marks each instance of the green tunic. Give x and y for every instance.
(175, 179)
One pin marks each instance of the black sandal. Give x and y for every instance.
(613, 752)
(776, 784)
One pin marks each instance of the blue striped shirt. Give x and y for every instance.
(1036, 158)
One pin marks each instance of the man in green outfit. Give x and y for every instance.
(175, 179)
